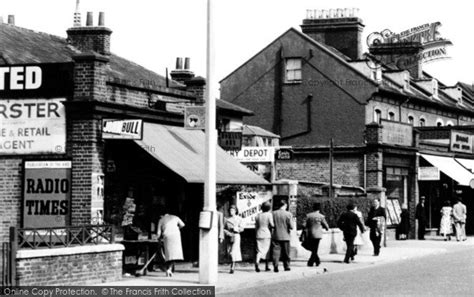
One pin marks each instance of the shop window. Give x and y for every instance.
(293, 71)
(378, 116)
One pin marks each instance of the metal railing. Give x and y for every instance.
(34, 238)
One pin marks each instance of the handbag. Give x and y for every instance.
(305, 241)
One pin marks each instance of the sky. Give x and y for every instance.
(153, 33)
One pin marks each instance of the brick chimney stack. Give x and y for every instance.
(90, 38)
(182, 74)
(339, 28)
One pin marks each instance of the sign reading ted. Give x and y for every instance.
(46, 193)
(32, 126)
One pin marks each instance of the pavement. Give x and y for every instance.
(245, 275)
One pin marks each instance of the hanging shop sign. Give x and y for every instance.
(32, 126)
(230, 141)
(428, 173)
(36, 80)
(46, 194)
(284, 154)
(461, 142)
(249, 205)
(122, 129)
(254, 154)
(195, 117)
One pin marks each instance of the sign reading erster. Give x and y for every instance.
(46, 193)
(32, 126)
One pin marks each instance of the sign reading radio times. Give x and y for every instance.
(46, 194)
(461, 142)
(32, 126)
(250, 205)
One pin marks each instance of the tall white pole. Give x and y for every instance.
(208, 246)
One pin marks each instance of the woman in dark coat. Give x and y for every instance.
(404, 226)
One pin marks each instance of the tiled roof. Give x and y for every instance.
(249, 130)
(222, 104)
(23, 46)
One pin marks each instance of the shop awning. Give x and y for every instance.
(183, 151)
(467, 163)
(451, 168)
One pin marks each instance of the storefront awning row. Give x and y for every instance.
(451, 167)
(183, 151)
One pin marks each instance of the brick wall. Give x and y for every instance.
(347, 170)
(10, 195)
(77, 269)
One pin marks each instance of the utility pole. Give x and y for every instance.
(331, 148)
(208, 246)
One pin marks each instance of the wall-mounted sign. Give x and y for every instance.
(428, 173)
(46, 194)
(397, 133)
(36, 80)
(122, 129)
(32, 126)
(250, 204)
(461, 142)
(195, 117)
(255, 154)
(230, 141)
(284, 154)
(97, 198)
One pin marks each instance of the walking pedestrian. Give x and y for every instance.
(281, 236)
(358, 241)
(460, 215)
(169, 231)
(420, 215)
(376, 223)
(404, 227)
(315, 222)
(348, 223)
(446, 224)
(263, 225)
(232, 229)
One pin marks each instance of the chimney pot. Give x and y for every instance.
(324, 14)
(331, 13)
(187, 62)
(11, 19)
(339, 13)
(89, 21)
(179, 63)
(101, 19)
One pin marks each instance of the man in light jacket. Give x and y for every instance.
(281, 236)
(459, 216)
(315, 222)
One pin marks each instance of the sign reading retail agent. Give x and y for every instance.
(32, 126)
(254, 154)
(36, 80)
(461, 142)
(249, 205)
(428, 173)
(195, 117)
(46, 193)
(122, 129)
(397, 133)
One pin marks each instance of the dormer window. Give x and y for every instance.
(391, 116)
(422, 122)
(411, 120)
(293, 71)
(378, 116)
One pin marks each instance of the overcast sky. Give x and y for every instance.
(153, 33)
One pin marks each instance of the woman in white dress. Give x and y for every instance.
(446, 224)
(232, 229)
(169, 230)
(358, 241)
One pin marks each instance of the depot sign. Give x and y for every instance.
(255, 154)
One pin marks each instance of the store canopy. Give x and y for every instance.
(467, 163)
(451, 168)
(183, 151)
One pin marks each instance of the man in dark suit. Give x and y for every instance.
(348, 223)
(420, 215)
(281, 236)
(376, 222)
